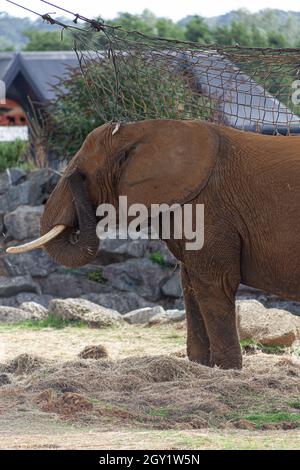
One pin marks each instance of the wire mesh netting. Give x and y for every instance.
(133, 76)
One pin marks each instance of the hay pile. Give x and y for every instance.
(160, 391)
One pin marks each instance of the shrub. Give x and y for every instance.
(12, 153)
(85, 101)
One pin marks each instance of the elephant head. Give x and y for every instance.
(151, 162)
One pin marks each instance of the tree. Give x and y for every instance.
(277, 40)
(168, 29)
(198, 31)
(145, 23)
(47, 41)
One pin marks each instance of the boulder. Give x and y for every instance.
(9, 301)
(172, 288)
(113, 251)
(270, 327)
(70, 286)
(143, 315)
(24, 222)
(10, 286)
(15, 196)
(84, 311)
(1, 223)
(34, 191)
(169, 316)
(141, 276)
(123, 302)
(17, 300)
(179, 304)
(13, 315)
(38, 312)
(11, 177)
(36, 298)
(41, 183)
(35, 262)
(289, 305)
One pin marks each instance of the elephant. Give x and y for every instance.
(250, 187)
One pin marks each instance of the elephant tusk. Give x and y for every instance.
(39, 242)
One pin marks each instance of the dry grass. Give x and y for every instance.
(158, 393)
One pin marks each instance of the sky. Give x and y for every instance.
(175, 9)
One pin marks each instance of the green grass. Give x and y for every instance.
(295, 404)
(245, 343)
(11, 154)
(277, 417)
(50, 322)
(159, 412)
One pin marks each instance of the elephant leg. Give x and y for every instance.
(197, 340)
(217, 303)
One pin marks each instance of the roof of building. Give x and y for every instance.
(41, 69)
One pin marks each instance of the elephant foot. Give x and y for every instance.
(199, 356)
(225, 361)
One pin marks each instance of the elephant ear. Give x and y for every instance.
(167, 161)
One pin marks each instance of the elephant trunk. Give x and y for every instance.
(68, 224)
(78, 244)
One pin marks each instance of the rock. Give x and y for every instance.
(35, 262)
(13, 315)
(34, 191)
(72, 286)
(179, 304)
(172, 288)
(169, 316)
(9, 301)
(123, 302)
(93, 352)
(38, 312)
(4, 182)
(271, 327)
(114, 251)
(41, 184)
(4, 379)
(141, 276)
(11, 177)
(15, 196)
(143, 315)
(10, 286)
(1, 223)
(38, 299)
(24, 222)
(290, 306)
(84, 311)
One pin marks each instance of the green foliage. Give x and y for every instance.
(83, 103)
(96, 276)
(47, 41)
(12, 153)
(158, 258)
(198, 31)
(274, 28)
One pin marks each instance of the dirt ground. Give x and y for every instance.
(142, 393)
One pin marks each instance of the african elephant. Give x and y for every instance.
(249, 185)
